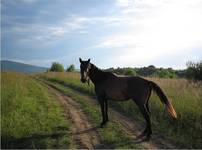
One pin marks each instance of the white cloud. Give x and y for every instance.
(167, 30)
(52, 32)
(144, 29)
(117, 41)
(46, 33)
(124, 3)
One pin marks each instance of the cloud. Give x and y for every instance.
(33, 32)
(169, 31)
(124, 3)
(132, 32)
(26, 32)
(117, 41)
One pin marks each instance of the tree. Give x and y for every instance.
(194, 70)
(71, 68)
(130, 72)
(57, 67)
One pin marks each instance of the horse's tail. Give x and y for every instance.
(164, 99)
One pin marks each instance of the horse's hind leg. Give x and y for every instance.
(106, 110)
(146, 116)
(147, 101)
(101, 101)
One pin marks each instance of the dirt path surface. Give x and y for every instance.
(85, 136)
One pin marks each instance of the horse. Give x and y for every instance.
(109, 86)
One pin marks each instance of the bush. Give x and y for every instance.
(71, 68)
(194, 70)
(57, 67)
(130, 72)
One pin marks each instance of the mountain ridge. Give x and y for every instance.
(7, 65)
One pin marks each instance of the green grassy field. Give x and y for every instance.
(30, 115)
(186, 97)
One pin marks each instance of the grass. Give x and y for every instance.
(111, 135)
(30, 115)
(186, 97)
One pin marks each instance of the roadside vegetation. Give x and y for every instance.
(186, 97)
(30, 115)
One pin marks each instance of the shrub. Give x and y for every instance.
(130, 72)
(194, 70)
(71, 68)
(57, 67)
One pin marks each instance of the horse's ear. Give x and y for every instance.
(80, 60)
(88, 60)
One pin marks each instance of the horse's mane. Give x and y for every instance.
(100, 70)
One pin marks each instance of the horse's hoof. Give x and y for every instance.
(141, 135)
(148, 138)
(102, 125)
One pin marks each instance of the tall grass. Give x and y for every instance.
(185, 96)
(30, 116)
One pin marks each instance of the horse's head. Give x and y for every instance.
(84, 69)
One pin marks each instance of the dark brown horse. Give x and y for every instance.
(109, 86)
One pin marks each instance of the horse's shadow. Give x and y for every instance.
(105, 144)
(88, 130)
(35, 140)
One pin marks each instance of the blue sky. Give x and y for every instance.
(124, 33)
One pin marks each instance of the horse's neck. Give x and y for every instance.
(96, 75)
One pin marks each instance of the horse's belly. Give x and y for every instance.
(117, 90)
(118, 96)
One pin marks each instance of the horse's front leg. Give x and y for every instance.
(102, 106)
(106, 110)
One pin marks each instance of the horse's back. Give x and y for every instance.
(122, 87)
(115, 88)
(137, 87)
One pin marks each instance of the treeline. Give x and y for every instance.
(193, 71)
(150, 71)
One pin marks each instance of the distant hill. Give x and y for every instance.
(20, 67)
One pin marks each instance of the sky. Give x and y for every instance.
(113, 33)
